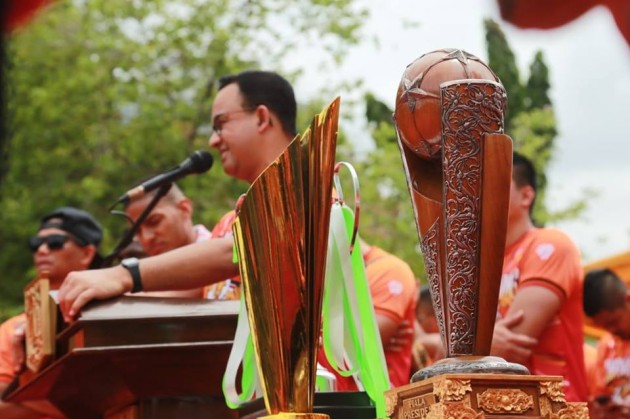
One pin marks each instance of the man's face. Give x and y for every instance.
(236, 139)
(168, 226)
(616, 321)
(56, 264)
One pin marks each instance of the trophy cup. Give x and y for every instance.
(281, 236)
(449, 121)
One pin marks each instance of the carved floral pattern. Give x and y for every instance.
(572, 411)
(391, 400)
(505, 401)
(429, 246)
(451, 389)
(553, 390)
(469, 111)
(453, 411)
(34, 325)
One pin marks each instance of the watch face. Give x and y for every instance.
(129, 262)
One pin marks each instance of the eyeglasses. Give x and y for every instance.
(223, 118)
(54, 241)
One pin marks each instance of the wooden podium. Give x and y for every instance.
(136, 357)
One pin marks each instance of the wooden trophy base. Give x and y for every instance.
(478, 396)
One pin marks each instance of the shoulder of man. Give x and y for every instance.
(548, 242)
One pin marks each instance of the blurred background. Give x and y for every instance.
(99, 94)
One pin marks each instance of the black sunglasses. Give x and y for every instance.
(54, 241)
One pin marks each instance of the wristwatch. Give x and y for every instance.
(133, 266)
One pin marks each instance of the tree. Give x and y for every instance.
(105, 92)
(502, 60)
(530, 119)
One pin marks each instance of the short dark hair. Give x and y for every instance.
(524, 174)
(603, 290)
(523, 171)
(269, 89)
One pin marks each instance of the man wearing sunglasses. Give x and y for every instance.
(67, 240)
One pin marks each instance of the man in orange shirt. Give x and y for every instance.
(607, 302)
(541, 293)
(67, 240)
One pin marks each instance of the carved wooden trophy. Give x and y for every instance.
(449, 120)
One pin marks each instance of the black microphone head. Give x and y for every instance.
(200, 161)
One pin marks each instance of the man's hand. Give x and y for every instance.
(513, 347)
(403, 334)
(81, 287)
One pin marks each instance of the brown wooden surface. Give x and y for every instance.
(135, 349)
(495, 196)
(481, 396)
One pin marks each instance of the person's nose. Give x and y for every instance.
(43, 249)
(214, 140)
(146, 235)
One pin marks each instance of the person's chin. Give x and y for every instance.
(43, 266)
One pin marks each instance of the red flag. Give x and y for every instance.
(547, 14)
(18, 12)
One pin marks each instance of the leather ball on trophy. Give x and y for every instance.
(417, 113)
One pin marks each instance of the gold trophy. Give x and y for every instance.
(281, 236)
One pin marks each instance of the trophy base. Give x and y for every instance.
(470, 365)
(483, 396)
(283, 415)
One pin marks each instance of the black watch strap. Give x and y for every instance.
(133, 266)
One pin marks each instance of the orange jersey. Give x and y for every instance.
(612, 370)
(6, 347)
(548, 258)
(230, 289)
(393, 290)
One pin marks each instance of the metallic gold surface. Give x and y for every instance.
(281, 235)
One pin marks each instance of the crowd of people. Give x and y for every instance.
(543, 293)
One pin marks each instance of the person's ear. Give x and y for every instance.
(185, 205)
(527, 195)
(264, 118)
(88, 253)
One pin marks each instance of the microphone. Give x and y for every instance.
(197, 162)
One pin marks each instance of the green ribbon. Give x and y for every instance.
(350, 335)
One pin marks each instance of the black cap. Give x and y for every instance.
(77, 222)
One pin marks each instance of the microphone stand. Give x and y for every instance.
(128, 236)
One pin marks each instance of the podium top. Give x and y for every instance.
(132, 348)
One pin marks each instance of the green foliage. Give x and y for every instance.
(387, 218)
(104, 93)
(530, 119)
(538, 84)
(501, 59)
